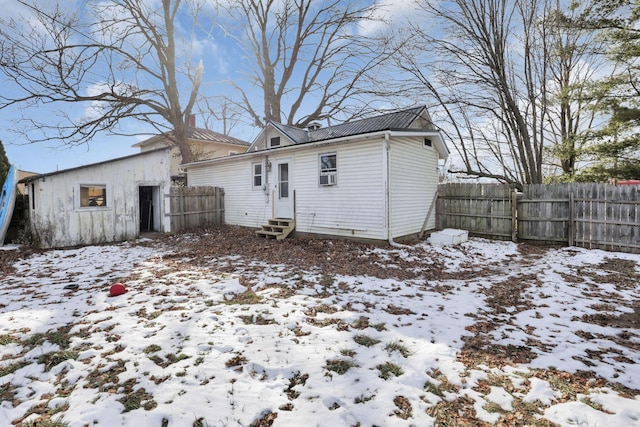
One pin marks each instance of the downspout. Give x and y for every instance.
(266, 163)
(387, 146)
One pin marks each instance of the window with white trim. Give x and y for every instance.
(328, 169)
(93, 196)
(274, 141)
(257, 174)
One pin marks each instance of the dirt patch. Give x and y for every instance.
(331, 257)
(503, 298)
(624, 320)
(9, 257)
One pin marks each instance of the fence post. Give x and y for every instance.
(571, 230)
(183, 219)
(219, 208)
(514, 215)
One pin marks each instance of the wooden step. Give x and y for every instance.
(277, 228)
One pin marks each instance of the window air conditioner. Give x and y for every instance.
(329, 179)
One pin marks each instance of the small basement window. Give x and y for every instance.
(274, 142)
(328, 169)
(257, 174)
(94, 195)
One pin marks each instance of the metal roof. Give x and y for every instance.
(397, 120)
(200, 135)
(209, 135)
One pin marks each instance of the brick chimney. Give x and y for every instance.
(192, 121)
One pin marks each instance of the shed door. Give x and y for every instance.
(284, 190)
(149, 208)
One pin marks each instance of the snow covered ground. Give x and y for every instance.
(483, 332)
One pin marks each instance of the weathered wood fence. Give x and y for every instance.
(588, 215)
(194, 207)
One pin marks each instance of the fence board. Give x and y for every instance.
(195, 207)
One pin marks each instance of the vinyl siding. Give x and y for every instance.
(244, 205)
(354, 207)
(413, 183)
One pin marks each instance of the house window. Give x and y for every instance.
(93, 196)
(427, 142)
(257, 174)
(274, 142)
(328, 169)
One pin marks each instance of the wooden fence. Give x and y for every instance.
(484, 210)
(194, 207)
(588, 215)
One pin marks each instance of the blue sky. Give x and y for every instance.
(55, 155)
(221, 57)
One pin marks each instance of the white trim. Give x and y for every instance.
(254, 175)
(284, 207)
(331, 175)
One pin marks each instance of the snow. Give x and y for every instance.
(541, 391)
(193, 341)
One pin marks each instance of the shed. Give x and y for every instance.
(371, 179)
(110, 201)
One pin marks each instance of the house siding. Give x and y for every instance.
(244, 205)
(355, 206)
(56, 220)
(413, 183)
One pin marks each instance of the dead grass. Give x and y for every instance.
(365, 340)
(340, 366)
(389, 370)
(247, 297)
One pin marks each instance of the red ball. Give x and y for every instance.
(117, 289)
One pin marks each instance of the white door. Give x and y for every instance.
(284, 190)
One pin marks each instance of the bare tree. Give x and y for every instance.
(307, 56)
(502, 74)
(220, 112)
(119, 58)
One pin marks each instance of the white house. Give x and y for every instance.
(103, 202)
(370, 179)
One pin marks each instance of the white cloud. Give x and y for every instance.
(96, 108)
